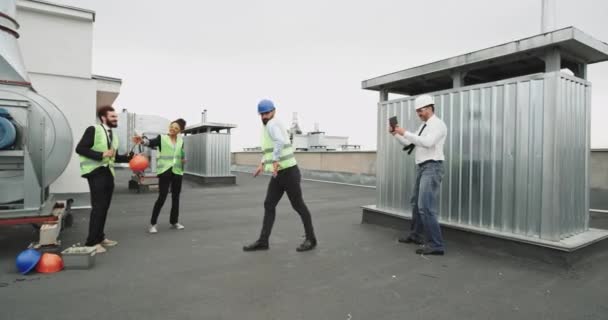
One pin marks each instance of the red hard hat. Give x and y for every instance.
(49, 263)
(139, 163)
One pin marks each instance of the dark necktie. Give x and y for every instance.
(410, 147)
(109, 138)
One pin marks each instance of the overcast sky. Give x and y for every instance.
(178, 57)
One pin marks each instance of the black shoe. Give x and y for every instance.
(307, 245)
(256, 246)
(410, 240)
(429, 251)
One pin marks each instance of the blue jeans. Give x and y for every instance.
(425, 205)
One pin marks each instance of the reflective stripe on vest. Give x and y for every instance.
(287, 158)
(170, 156)
(100, 144)
(272, 149)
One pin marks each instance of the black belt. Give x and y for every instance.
(429, 161)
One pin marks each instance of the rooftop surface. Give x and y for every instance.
(357, 272)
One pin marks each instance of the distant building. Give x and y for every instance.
(131, 124)
(313, 141)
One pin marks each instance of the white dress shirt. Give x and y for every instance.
(279, 136)
(429, 145)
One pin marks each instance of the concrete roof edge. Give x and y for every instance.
(91, 14)
(211, 125)
(536, 42)
(590, 41)
(105, 78)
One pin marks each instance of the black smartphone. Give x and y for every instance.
(393, 122)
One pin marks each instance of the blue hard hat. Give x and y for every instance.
(265, 106)
(27, 260)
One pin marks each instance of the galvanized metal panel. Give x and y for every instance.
(586, 96)
(485, 208)
(497, 156)
(573, 149)
(208, 154)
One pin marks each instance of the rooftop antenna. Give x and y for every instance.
(204, 116)
(295, 126)
(547, 16)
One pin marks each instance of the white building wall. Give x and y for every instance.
(335, 143)
(300, 141)
(56, 44)
(308, 141)
(53, 42)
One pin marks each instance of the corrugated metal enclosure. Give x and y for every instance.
(208, 154)
(496, 157)
(518, 145)
(207, 147)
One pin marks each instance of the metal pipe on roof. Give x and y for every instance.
(548, 16)
(12, 68)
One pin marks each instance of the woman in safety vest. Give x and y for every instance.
(170, 170)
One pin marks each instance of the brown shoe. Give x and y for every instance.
(100, 249)
(108, 243)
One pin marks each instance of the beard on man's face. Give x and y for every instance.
(265, 121)
(112, 124)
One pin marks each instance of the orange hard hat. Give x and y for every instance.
(49, 263)
(139, 162)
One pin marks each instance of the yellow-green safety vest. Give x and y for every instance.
(100, 144)
(287, 158)
(170, 156)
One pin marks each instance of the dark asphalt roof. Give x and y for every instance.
(358, 271)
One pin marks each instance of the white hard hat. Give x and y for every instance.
(423, 101)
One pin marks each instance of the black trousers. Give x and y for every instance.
(286, 181)
(101, 186)
(165, 180)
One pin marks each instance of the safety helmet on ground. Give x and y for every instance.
(50, 263)
(27, 260)
(423, 101)
(265, 106)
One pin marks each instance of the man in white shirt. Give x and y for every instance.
(427, 143)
